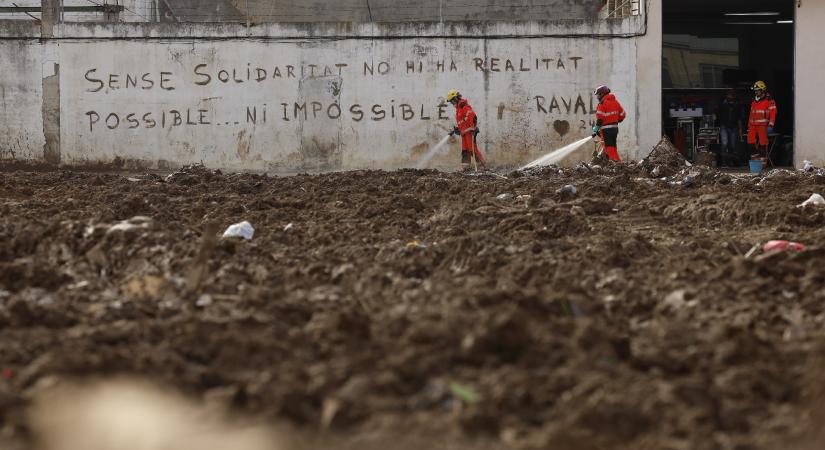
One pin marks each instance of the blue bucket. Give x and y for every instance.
(756, 166)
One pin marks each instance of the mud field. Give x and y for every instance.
(420, 309)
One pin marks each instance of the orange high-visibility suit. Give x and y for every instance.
(467, 123)
(608, 115)
(762, 117)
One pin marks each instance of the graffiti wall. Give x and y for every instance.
(332, 105)
(308, 98)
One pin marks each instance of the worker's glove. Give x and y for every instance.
(596, 129)
(770, 129)
(455, 131)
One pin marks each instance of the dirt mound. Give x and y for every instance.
(664, 160)
(590, 307)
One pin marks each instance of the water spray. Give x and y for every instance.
(422, 163)
(557, 155)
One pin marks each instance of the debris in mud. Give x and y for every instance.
(135, 223)
(808, 166)
(664, 160)
(204, 301)
(568, 189)
(464, 393)
(243, 230)
(415, 245)
(813, 200)
(192, 174)
(780, 245)
(705, 158)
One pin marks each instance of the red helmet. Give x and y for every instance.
(601, 91)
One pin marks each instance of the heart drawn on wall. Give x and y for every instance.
(562, 127)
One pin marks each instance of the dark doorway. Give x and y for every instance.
(712, 46)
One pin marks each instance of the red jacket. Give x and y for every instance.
(465, 117)
(763, 112)
(609, 111)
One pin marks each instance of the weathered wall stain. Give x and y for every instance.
(243, 142)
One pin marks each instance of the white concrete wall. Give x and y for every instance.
(21, 93)
(810, 73)
(649, 82)
(214, 95)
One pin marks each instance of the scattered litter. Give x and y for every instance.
(341, 270)
(78, 285)
(524, 197)
(192, 174)
(807, 166)
(145, 287)
(676, 299)
(464, 393)
(505, 196)
(204, 301)
(415, 245)
(813, 200)
(568, 189)
(329, 410)
(7, 372)
(137, 222)
(783, 245)
(752, 251)
(288, 227)
(243, 229)
(133, 180)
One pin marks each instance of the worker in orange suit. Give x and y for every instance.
(761, 121)
(467, 128)
(609, 114)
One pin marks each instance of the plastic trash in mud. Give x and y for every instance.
(568, 189)
(464, 393)
(135, 223)
(415, 245)
(807, 166)
(504, 196)
(813, 200)
(243, 229)
(778, 246)
(288, 226)
(204, 301)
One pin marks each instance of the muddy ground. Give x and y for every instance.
(449, 310)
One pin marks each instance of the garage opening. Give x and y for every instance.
(713, 49)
